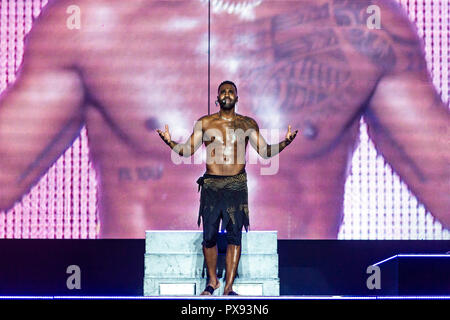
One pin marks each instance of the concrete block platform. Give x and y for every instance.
(174, 264)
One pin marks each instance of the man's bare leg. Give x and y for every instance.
(210, 255)
(231, 265)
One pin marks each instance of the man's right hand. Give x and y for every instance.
(165, 135)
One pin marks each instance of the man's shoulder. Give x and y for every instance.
(84, 17)
(208, 117)
(204, 121)
(251, 123)
(67, 20)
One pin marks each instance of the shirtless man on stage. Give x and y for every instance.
(134, 66)
(224, 185)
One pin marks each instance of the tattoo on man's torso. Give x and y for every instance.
(302, 57)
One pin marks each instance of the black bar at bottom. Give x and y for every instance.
(224, 308)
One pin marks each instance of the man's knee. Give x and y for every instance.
(210, 232)
(234, 238)
(209, 243)
(209, 238)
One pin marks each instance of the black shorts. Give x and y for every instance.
(226, 198)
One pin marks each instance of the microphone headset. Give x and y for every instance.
(217, 102)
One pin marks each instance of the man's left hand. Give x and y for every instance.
(290, 136)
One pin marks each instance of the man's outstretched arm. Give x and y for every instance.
(188, 148)
(40, 113)
(265, 150)
(408, 121)
(409, 125)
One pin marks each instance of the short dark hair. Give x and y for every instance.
(227, 82)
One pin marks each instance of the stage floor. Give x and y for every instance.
(253, 298)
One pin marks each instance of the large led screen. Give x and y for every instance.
(86, 84)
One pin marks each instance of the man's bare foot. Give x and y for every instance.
(210, 288)
(229, 292)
